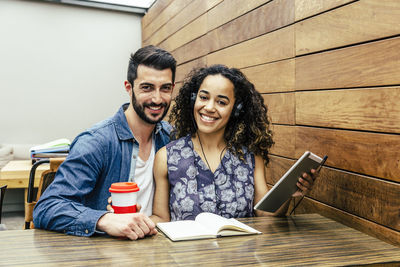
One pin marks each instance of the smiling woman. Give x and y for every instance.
(218, 161)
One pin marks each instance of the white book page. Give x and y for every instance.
(184, 229)
(217, 223)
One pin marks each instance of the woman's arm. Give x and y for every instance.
(260, 185)
(161, 195)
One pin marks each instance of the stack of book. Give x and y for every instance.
(55, 149)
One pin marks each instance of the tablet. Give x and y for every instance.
(286, 186)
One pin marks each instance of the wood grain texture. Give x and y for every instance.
(229, 10)
(370, 198)
(154, 20)
(264, 19)
(272, 77)
(192, 50)
(307, 8)
(16, 174)
(347, 25)
(189, 13)
(270, 47)
(371, 109)
(184, 69)
(189, 32)
(154, 11)
(276, 168)
(281, 107)
(284, 137)
(363, 225)
(362, 152)
(371, 64)
(327, 242)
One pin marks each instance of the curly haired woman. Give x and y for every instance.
(216, 164)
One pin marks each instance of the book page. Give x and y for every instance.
(218, 223)
(184, 230)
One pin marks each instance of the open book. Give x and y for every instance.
(206, 225)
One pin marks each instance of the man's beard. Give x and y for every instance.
(140, 110)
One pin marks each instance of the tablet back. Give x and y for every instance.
(286, 186)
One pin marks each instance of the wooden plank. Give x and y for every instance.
(229, 10)
(272, 77)
(371, 64)
(270, 47)
(194, 49)
(373, 199)
(154, 11)
(362, 152)
(281, 107)
(365, 197)
(169, 11)
(191, 31)
(284, 137)
(348, 24)
(276, 168)
(381, 232)
(266, 18)
(307, 8)
(193, 10)
(372, 109)
(184, 69)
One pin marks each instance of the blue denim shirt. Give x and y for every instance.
(100, 156)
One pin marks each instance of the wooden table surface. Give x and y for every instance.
(15, 174)
(299, 240)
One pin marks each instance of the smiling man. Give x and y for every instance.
(118, 149)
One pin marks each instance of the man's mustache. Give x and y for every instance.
(155, 105)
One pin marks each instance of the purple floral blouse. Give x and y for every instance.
(228, 192)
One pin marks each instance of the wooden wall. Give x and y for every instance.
(329, 72)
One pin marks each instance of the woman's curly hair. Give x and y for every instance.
(250, 129)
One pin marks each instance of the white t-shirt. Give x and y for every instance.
(144, 179)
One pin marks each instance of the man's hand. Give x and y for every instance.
(305, 183)
(130, 225)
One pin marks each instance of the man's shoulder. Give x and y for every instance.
(166, 127)
(98, 133)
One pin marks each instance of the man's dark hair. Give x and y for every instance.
(151, 56)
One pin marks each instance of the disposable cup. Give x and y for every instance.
(124, 197)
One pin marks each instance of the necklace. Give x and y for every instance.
(204, 154)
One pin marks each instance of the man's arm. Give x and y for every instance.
(61, 207)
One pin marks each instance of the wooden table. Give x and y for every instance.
(16, 174)
(299, 240)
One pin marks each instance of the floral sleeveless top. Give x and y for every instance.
(228, 192)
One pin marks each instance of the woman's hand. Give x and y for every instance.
(305, 183)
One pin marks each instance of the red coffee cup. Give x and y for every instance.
(124, 197)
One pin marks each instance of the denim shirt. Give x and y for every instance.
(98, 157)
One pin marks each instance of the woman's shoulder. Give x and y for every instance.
(178, 143)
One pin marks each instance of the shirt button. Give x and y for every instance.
(87, 231)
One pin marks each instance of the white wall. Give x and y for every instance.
(61, 68)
